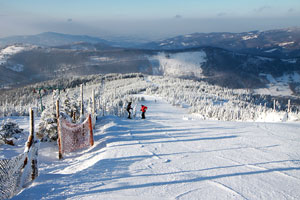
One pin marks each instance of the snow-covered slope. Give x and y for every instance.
(185, 64)
(167, 157)
(279, 86)
(281, 43)
(8, 52)
(220, 66)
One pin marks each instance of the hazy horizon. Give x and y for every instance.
(145, 20)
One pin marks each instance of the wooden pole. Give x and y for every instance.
(58, 131)
(91, 131)
(274, 105)
(74, 116)
(289, 105)
(81, 94)
(30, 141)
(31, 129)
(34, 173)
(30, 137)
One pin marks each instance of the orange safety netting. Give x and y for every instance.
(75, 136)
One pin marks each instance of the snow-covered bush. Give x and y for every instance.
(9, 131)
(47, 130)
(71, 106)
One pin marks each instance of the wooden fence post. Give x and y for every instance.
(30, 141)
(31, 129)
(58, 131)
(31, 136)
(91, 131)
(74, 116)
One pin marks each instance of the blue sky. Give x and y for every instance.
(146, 19)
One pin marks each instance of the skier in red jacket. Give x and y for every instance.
(143, 109)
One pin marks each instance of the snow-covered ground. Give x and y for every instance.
(249, 37)
(170, 155)
(279, 86)
(8, 151)
(9, 51)
(179, 64)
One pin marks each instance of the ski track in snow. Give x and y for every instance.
(255, 166)
(217, 184)
(166, 157)
(226, 188)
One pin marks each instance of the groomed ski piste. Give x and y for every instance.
(172, 155)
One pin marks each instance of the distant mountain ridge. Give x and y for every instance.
(281, 43)
(26, 64)
(51, 39)
(254, 58)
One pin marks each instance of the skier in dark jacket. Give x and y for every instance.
(128, 109)
(143, 109)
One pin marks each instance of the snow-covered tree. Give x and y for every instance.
(9, 131)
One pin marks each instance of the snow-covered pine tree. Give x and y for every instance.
(8, 132)
(47, 130)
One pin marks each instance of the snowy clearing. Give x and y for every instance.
(249, 37)
(283, 44)
(171, 156)
(8, 52)
(180, 64)
(279, 86)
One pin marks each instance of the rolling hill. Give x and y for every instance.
(251, 60)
